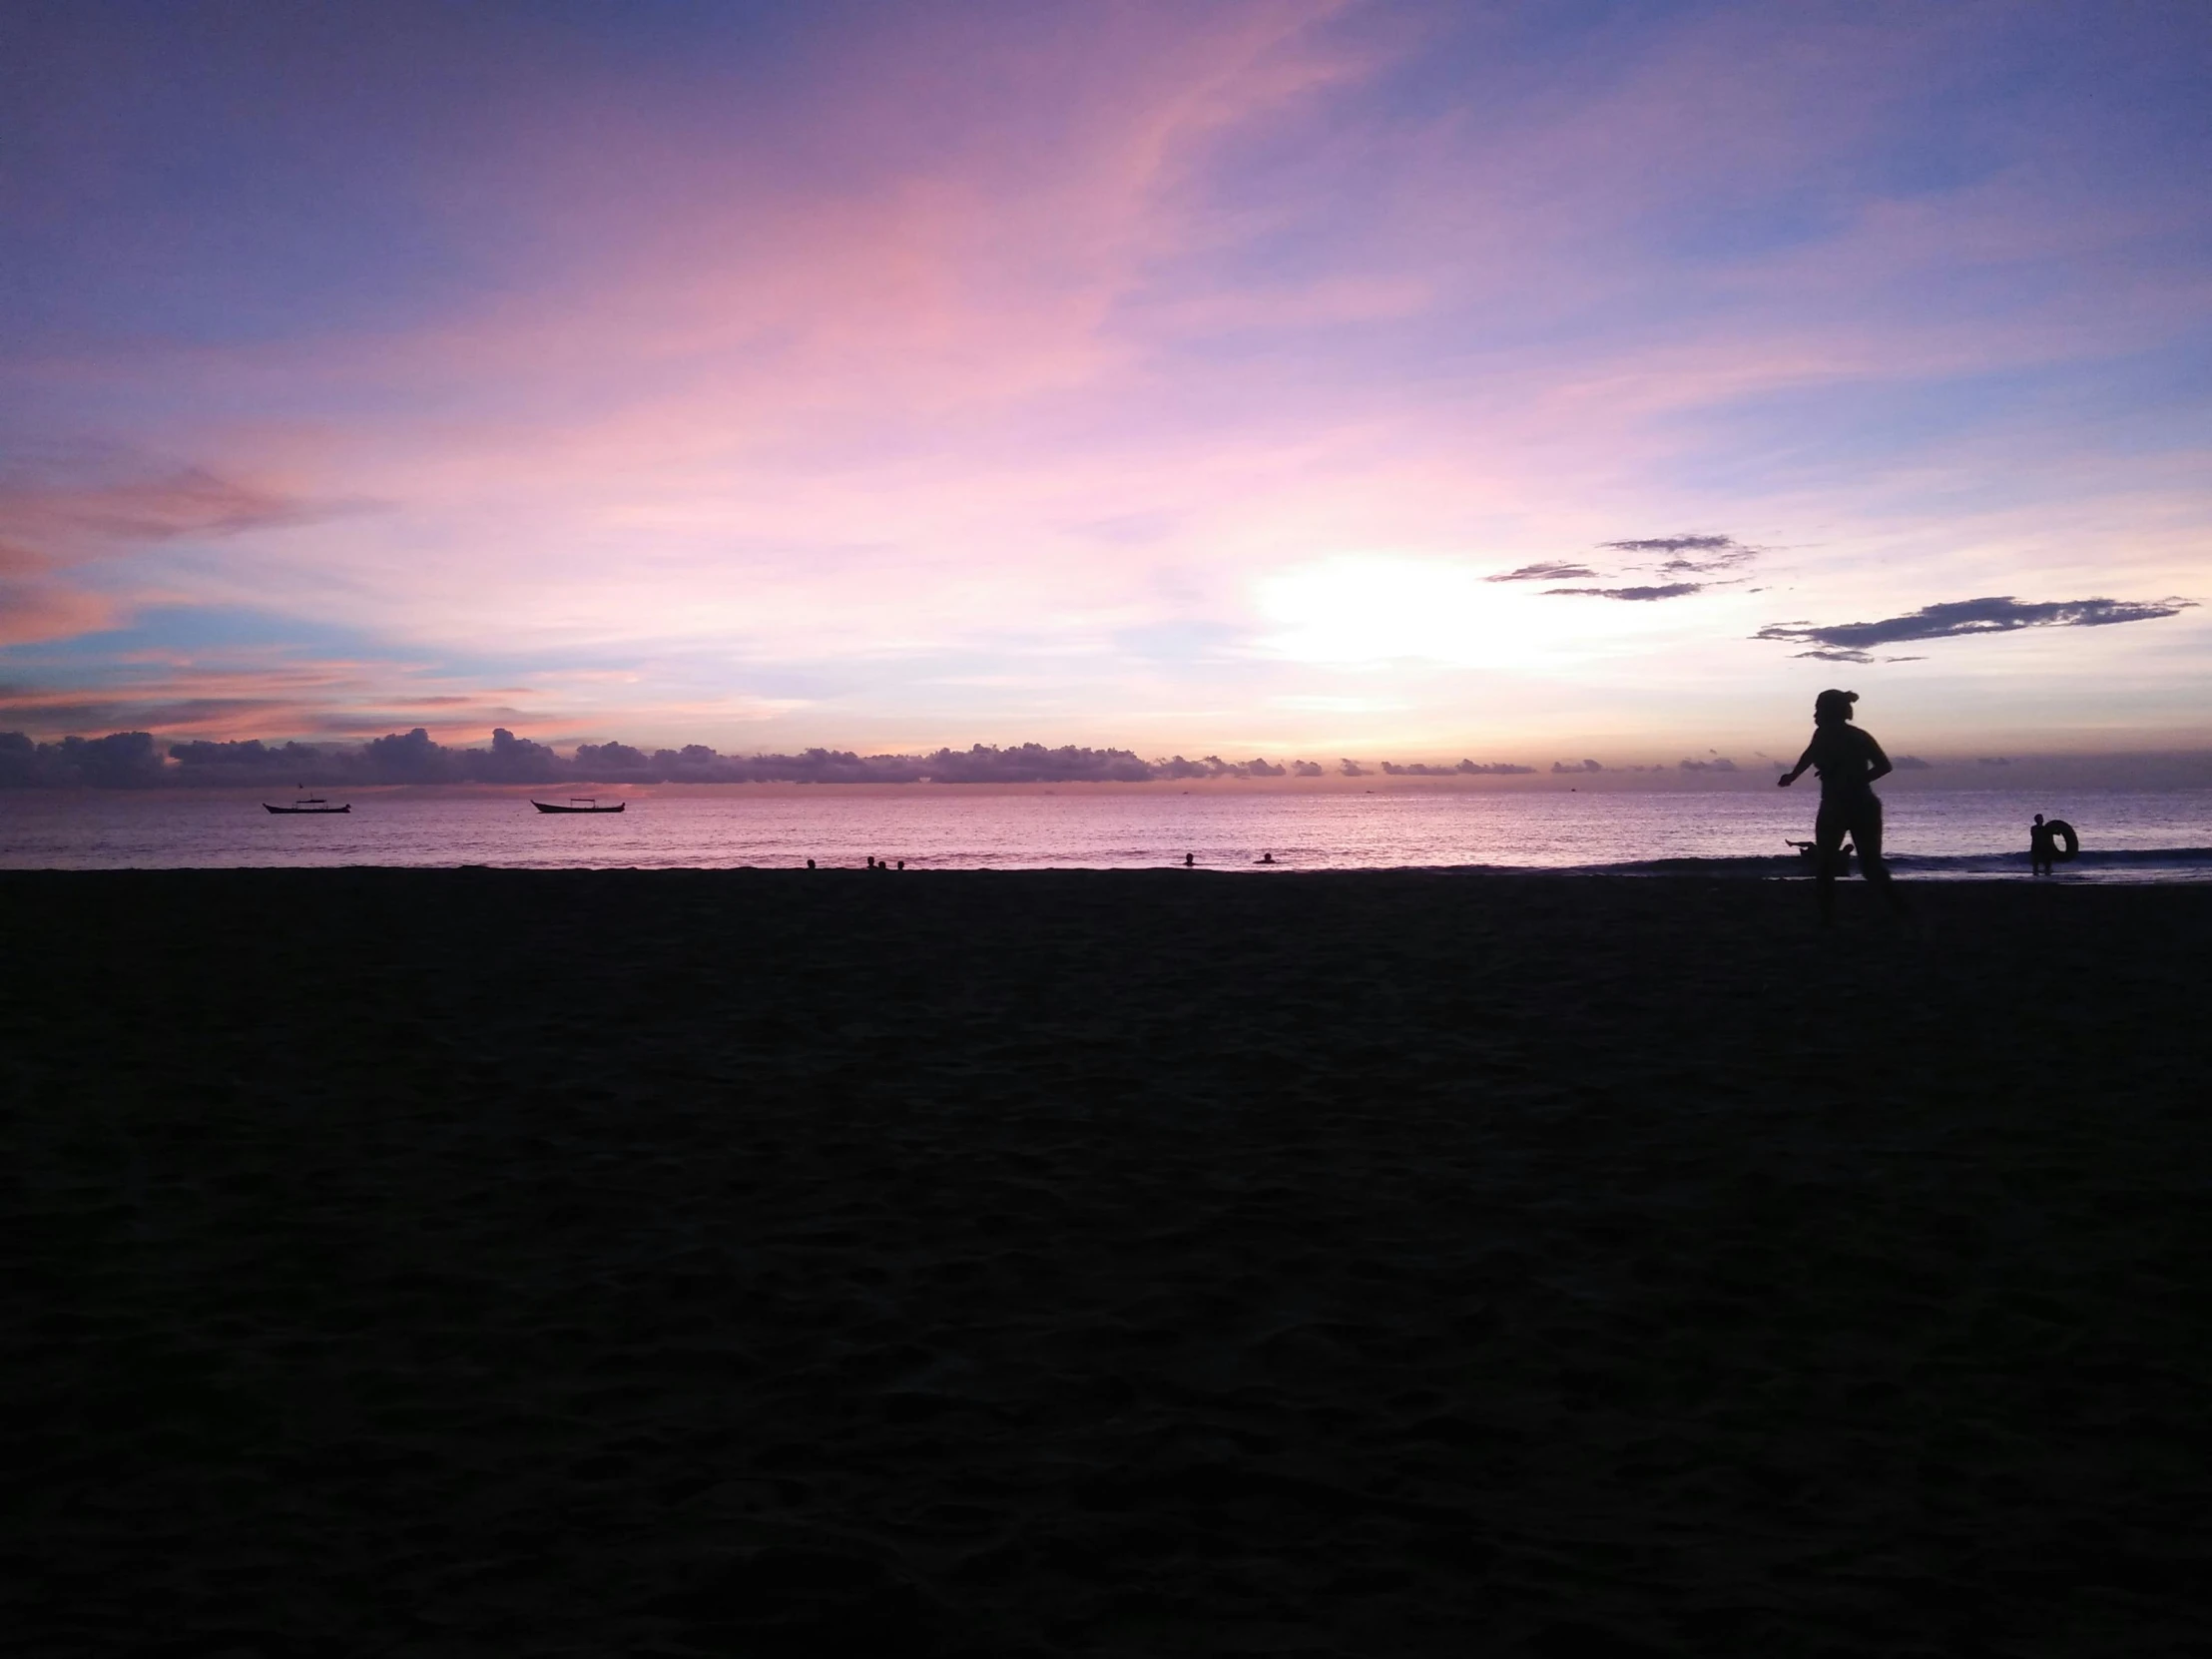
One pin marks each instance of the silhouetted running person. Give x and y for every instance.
(2043, 847)
(1848, 761)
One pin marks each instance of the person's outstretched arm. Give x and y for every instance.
(1878, 763)
(1803, 760)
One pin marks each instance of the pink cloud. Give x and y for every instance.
(45, 611)
(837, 376)
(72, 519)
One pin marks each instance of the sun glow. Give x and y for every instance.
(1368, 609)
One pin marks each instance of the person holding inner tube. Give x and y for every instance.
(1847, 761)
(2050, 844)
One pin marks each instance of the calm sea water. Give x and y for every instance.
(2126, 836)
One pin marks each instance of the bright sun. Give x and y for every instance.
(1371, 608)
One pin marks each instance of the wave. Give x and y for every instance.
(2158, 862)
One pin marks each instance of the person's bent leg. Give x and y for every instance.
(1828, 858)
(1865, 831)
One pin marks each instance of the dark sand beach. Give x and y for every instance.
(480, 1262)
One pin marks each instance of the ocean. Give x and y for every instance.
(2126, 836)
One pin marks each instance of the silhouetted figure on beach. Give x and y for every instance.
(2043, 847)
(1848, 761)
(810, 863)
(1267, 858)
(1190, 860)
(903, 863)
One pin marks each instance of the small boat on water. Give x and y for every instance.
(579, 803)
(307, 804)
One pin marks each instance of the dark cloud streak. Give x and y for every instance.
(1690, 555)
(1663, 590)
(1673, 545)
(1853, 642)
(1545, 573)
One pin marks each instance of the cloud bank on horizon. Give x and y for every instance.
(1284, 375)
(137, 760)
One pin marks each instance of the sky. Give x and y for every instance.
(1503, 381)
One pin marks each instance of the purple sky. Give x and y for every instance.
(1345, 378)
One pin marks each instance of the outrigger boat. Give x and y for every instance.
(309, 804)
(579, 803)
(1809, 852)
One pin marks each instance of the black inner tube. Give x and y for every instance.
(2065, 843)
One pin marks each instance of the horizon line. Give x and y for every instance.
(138, 760)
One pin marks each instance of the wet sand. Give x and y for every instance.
(474, 1263)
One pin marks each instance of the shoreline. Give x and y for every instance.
(2177, 866)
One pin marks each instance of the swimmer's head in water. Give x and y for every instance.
(1834, 706)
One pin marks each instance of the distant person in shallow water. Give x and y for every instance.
(2042, 846)
(1848, 761)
